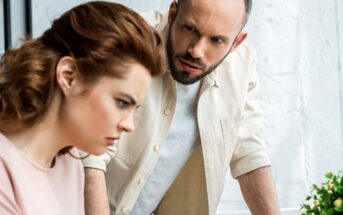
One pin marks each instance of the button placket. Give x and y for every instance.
(167, 111)
(140, 181)
(125, 210)
(156, 148)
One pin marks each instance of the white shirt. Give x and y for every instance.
(182, 136)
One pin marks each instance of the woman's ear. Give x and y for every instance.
(66, 74)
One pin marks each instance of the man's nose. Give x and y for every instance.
(197, 48)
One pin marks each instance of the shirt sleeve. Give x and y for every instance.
(98, 162)
(8, 205)
(250, 152)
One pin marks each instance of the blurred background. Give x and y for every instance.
(299, 45)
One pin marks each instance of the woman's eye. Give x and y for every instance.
(122, 104)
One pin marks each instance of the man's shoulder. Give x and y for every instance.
(243, 58)
(246, 48)
(245, 52)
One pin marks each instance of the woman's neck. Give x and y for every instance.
(41, 142)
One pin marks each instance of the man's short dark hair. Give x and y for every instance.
(248, 6)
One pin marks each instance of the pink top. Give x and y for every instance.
(29, 189)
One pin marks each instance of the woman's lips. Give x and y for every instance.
(111, 141)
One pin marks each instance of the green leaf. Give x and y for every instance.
(331, 211)
(322, 199)
(323, 213)
(338, 189)
(307, 207)
(329, 175)
(339, 209)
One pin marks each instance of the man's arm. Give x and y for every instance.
(96, 200)
(259, 192)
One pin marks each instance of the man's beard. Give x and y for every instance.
(182, 76)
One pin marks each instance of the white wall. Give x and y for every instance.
(45, 11)
(299, 43)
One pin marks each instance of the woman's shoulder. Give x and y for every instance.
(4, 144)
(7, 191)
(7, 153)
(6, 150)
(11, 156)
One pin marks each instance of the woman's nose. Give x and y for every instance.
(127, 124)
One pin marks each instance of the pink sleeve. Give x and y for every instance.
(8, 205)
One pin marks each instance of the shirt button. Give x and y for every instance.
(125, 210)
(156, 148)
(167, 111)
(141, 181)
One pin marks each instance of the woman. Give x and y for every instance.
(75, 86)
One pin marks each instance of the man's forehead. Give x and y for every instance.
(222, 16)
(233, 10)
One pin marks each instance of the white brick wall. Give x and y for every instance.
(47, 10)
(299, 44)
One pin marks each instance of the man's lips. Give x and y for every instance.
(190, 67)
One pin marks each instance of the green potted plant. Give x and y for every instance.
(326, 199)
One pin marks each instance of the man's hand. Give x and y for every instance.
(96, 200)
(259, 192)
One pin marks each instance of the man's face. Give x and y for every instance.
(201, 34)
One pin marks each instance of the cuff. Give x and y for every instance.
(98, 162)
(249, 163)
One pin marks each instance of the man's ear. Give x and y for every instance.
(172, 11)
(239, 39)
(66, 74)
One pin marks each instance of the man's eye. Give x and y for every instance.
(189, 28)
(217, 41)
(122, 104)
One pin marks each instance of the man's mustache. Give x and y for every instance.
(196, 61)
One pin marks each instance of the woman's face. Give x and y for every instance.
(94, 120)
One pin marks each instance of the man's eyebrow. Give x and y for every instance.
(223, 37)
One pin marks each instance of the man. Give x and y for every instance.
(198, 119)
